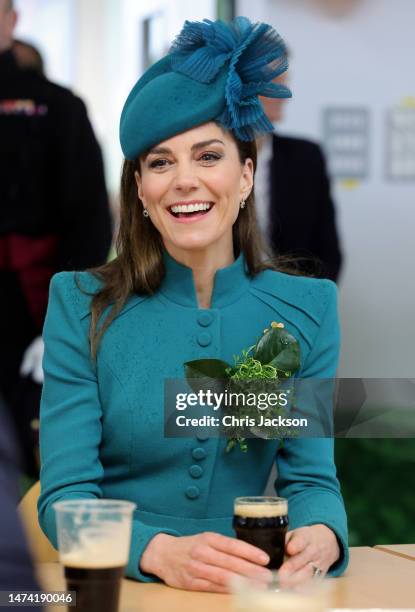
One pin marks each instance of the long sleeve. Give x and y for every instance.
(306, 469)
(71, 420)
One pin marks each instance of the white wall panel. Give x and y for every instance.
(50, 25)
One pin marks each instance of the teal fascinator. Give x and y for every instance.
(214, 71)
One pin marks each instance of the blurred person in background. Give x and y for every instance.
(27, 56)
(54, 216)
(296, 212)
(16, 568)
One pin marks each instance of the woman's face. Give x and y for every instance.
(192, 186)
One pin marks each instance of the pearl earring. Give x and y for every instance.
(243, 204)
(145, 212)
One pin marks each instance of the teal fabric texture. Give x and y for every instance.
(214, 71)
(102, 429)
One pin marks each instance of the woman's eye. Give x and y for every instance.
(158, 163)
(208, 157)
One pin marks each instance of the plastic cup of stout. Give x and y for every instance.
(94, 541)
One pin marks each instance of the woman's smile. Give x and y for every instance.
(190, 211)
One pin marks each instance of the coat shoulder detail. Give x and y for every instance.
(301, 300)
(77, 289)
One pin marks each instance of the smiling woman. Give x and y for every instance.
(188, 283)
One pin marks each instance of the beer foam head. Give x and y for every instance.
(98, 548)
(266, 508)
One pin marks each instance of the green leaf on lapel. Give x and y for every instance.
(278, 348)
(288, 360)
(204, 374)
(202, 368)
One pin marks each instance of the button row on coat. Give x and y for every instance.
(202, 435)
(204, 338)
(198, 453)
(204, 319)
(195, 471)
(192, 492)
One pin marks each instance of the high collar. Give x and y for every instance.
(230, 283)
(7, 62)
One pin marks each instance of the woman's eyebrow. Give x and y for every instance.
(197, 145)
(206, 143)
(157, 151)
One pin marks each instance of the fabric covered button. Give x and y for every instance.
(198, 453)
(205, 319)
(204, 338)
(192, 492)
(202, 436)
(195, 471)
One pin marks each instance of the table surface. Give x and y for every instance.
(374, 579)
(407, 551)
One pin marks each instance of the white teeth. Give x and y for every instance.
(188, 208)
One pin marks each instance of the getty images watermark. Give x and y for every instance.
(228, 405)
(302, 407)
(248, 409)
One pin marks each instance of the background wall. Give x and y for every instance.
(50, 25)
(362, 56)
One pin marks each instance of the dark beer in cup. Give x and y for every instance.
(97, 588)
(263, 522)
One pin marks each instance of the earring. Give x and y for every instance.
(145, 213)
(243, 204)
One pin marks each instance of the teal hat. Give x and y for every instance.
(214, 71)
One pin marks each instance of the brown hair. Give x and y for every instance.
(139, 267)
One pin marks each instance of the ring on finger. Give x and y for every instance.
(317, 571)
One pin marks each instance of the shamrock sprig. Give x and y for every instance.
(274, 357)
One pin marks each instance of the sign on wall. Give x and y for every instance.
(154, 37)
(346, 139)
(400, 144)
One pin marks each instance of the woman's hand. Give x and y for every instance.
(203, 562)
(309, 548)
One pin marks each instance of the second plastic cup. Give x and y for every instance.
(94, 541)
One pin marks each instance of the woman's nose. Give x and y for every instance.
(186, 178)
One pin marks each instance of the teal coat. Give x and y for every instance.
(102, 430)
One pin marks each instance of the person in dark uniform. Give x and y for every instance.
(54, 216)
(297, 216)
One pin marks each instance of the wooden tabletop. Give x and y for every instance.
(374, 579)
(407, 551)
